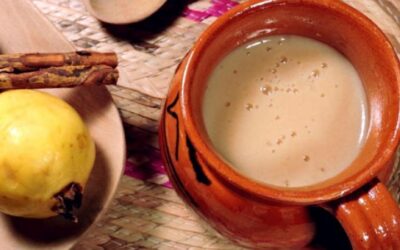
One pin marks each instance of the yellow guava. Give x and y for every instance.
(46, 155)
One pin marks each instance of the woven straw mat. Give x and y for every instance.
(146, 212)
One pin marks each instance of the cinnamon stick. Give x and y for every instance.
(17, 63)
(64, 76)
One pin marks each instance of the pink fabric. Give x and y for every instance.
(217, 8)
(195, 15)
(149, 168)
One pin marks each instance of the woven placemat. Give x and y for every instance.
(146, 212)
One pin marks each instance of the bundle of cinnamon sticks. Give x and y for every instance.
(57, 70)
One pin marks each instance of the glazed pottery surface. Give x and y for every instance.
(262, 216)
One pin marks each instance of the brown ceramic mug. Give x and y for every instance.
(261, 216)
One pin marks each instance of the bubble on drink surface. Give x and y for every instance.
(261, 78)
(273, 151)
(298, 62)
(277, 65)
(322, 169)
(322, 95)
(306, 158)
(293, 134)
(324, 65)
(270, 105)
(227, 104)
(315, 73)
(276, 88)
(277, 117)
(247, 53)
(273, 71)
(336, 86)
(288, 90)
(279, 141)
(268, 49)
(249, 106)
(287, 183)
(283, 60)
(281, 40)
(266, 89)
(295, 91)
(235, 71)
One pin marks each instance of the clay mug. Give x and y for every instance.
(262, 216)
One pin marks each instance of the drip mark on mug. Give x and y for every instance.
(175, 116)
(198, 169)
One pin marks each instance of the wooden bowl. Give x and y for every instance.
(34, 33)
(95, 106)
(122, 11)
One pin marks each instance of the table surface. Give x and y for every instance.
(146, 213)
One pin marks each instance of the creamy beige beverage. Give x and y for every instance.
(286, 110)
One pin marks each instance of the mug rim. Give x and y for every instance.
(301, 195)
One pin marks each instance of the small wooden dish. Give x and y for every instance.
(101, 116)
(25, 30)
(122, 11)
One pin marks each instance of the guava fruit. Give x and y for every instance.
(46, 155)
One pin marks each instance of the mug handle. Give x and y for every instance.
(370, 217)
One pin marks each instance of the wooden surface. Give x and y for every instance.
(146, 213)
(24, 29)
